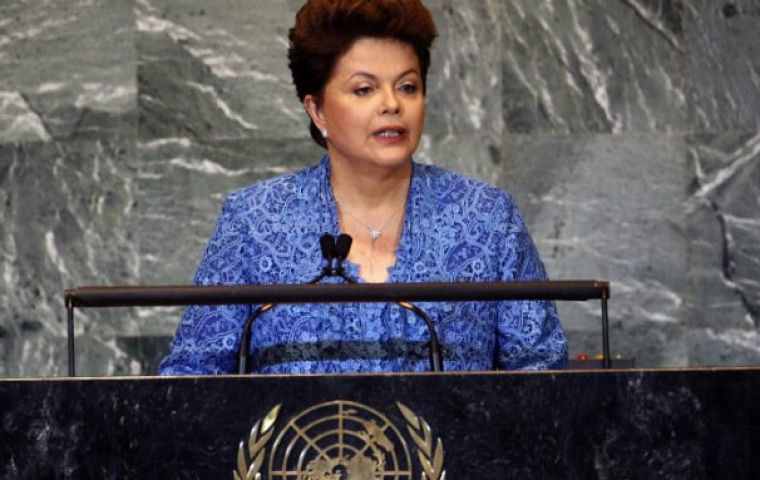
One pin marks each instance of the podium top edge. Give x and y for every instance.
(168, 295)
(502, 373)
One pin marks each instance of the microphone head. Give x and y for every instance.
(342, 246)
(327, 244)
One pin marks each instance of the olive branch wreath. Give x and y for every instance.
(431, 458)
(257, 440)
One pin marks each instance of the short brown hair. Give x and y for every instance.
(326, 29)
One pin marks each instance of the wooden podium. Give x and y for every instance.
(607, 424)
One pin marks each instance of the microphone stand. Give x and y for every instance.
(337, 250)
(327, 245)
(435, 354)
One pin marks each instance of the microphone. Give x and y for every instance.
(342, 246)
(327, 245)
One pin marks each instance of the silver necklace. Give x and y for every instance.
(374, 233)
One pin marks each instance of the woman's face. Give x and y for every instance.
(373, 106)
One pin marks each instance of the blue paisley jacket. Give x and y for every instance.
(455, 229)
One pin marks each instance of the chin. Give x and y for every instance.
(397, 155)
(394, 161)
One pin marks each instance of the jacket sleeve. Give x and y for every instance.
(208, 336)
(529, 333)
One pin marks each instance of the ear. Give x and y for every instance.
(312, 108)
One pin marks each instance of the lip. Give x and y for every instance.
(377, 134)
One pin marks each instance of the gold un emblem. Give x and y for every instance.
(340, 440)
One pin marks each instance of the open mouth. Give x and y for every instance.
(390, 133)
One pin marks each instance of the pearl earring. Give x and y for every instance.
(324, 133)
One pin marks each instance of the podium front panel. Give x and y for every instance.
(692, 423)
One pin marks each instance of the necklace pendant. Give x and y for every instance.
(374, 234)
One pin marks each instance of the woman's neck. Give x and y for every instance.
(371, 189)
(370, 207)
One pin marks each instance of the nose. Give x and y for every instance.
(390, 102)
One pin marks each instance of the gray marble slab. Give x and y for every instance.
(67, 218)
(200, 66)
(723, 221)
(465, 77)
(610, 207)
(66, 69)
(723, 54)
(593, 66)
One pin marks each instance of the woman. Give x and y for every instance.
(359, 67)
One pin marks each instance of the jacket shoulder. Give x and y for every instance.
(272, 196)
(448, 187)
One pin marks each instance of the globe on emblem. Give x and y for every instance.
(340, 440)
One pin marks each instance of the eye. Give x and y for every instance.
(408, 88)
(362, 91)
